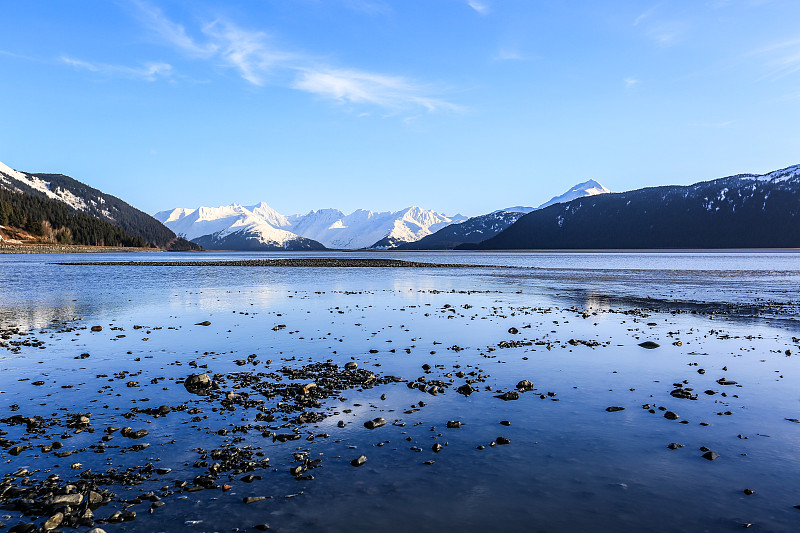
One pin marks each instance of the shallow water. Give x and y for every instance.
(570, 465)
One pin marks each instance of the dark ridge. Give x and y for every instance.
(734, 212)
(50, 219)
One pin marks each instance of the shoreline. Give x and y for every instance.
(321, 262)
(67, 249)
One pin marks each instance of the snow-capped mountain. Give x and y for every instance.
(81, 198)
(369, 229)
(587, 188)
(483, 227)
(328, 227)
(742, 211)
(236, 227)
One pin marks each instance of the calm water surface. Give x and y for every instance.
(570, 464)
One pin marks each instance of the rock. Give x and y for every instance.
(96, 530)
(16, 450)
(513, 331)
(669, 415)
(525, 385)
(674, 446)
(510, 395)
(54, 521)
(64, 499)
(131, 434)
(352, 365)
(375, 423)
(261, 527)
(198, 384)
(749, 492)
(505, 423)
(650, 345)
(97, 328)
(502, 440)
(203, 323)
(252, 499)
(436, 448)
(614, 408)
(358, 461)
(710, 455)
(464, 389)
(683, 393)
(453, 424)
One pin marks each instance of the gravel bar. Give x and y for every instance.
(304, 262)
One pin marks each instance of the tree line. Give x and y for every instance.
(54, 222)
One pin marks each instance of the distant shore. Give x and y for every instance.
(67, 249)
(328, 262)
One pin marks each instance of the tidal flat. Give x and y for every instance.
(582, 392)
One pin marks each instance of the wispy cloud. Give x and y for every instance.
(148, 72)
(249, 52)
(630, 82)
(782, 59)
(171, 32)
(643, 16)
(479, 6)
(352, 86)
(259, 61)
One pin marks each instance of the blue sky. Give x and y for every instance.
(455, 105)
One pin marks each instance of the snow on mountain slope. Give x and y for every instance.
(587, 188)
(193, 223)
(235, 227)
(9, 175)
(360, 229)
(775, 176)
(82, 198)
(483, 227)
(367, 229)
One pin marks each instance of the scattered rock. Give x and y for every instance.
(198, 384)
(614, 408)
(525, 385)
(375, 423)
(650, 345)
(510, 395)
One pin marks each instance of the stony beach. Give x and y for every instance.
(239, 413)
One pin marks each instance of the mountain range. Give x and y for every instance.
(480, 228)
(742, 211)
(259, 227)
(67, 204)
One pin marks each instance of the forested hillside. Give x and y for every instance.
(53, 222)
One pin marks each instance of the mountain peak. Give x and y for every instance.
(587, 188)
